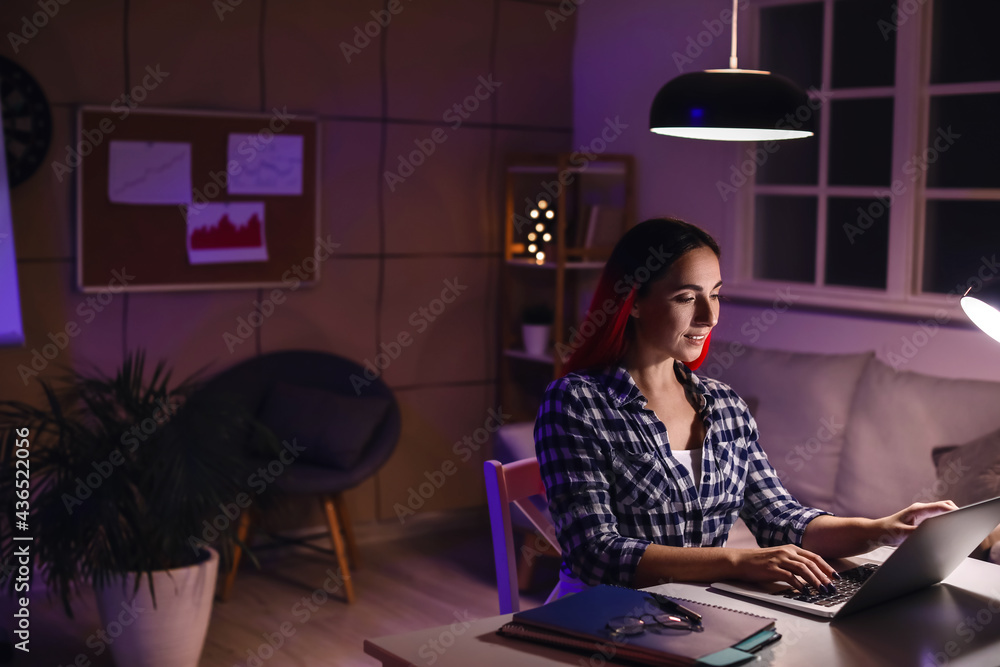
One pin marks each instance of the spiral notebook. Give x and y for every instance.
(579, 621)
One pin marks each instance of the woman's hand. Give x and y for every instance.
(787, 563)
(896, 527)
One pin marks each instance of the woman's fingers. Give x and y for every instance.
(790, 564)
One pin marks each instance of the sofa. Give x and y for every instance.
(849, 434)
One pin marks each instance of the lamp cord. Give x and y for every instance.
(732, 53)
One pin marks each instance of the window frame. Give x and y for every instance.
(911, 94)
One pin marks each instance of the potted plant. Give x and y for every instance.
(127, 471)
(536, 326)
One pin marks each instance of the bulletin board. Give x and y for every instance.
(151, 242)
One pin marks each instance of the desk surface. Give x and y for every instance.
(956, 623)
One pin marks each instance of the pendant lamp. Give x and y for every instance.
(731, 104)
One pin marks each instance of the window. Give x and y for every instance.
(895, 204)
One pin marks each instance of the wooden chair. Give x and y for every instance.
(517, 483)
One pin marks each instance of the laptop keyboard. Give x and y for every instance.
(850, 582)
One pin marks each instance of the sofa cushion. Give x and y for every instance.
(897, 419)
(334, 428)
(968, 474)
(804, 403)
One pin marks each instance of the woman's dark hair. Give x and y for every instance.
(642, 256)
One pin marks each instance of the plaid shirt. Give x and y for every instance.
(614, 487)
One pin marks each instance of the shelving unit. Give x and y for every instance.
(572, 187)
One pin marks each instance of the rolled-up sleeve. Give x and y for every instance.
(576, 472)
(773, 515)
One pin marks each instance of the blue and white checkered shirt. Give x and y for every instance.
(614, 487)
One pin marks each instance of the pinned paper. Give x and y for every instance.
(270, 166)
(149, 172)
(226, 233)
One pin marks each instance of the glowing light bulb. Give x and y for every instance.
(532, 248)
(543, 204)
(540, 256)
(539, 227)
(532, 236)
(534, 213)
(546, 237)
(550, 214)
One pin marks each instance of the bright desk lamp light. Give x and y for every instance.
(983, 308)
(730, 104)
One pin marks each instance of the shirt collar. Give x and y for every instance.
(622, 389)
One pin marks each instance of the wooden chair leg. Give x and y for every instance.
(338, 546)
(243, 530)
(345, 523)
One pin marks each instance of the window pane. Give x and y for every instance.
(960, 238)
(792, 162)
(857, 241)
(791, 42)
(861, 141)
(785, 238)
(962, 33)
(961, 143)
(864, 43)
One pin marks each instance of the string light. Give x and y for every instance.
(545, 237)
(534, 213)
(550, 214)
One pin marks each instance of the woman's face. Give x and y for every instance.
(679, 309)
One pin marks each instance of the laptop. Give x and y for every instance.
(931, 552)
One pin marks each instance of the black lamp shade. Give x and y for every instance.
(732, 105)
(983, 307)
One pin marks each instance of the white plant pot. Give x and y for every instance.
(536, 338)
(172, 634)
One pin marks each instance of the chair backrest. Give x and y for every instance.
(516, 483)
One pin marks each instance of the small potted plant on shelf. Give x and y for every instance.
(128, 473)
(536, 327)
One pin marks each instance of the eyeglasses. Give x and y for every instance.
(658, 623)
(656, 619)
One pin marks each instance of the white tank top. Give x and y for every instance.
(691, 459)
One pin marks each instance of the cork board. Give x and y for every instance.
(148, 242)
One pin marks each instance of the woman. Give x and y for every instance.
(642, 459)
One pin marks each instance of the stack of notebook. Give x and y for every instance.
(581, 621)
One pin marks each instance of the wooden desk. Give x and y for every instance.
(956, 623)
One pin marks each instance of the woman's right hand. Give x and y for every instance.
(787, 563)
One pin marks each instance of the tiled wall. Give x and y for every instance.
(398, 246)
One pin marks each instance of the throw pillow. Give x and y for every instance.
(334, 428)
(970, 473)
(897, 418)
